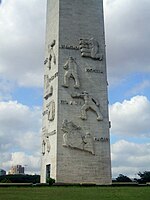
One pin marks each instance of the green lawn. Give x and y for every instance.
(75, 193)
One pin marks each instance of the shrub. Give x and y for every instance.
(50, 181)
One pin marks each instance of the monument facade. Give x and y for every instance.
(75, 132)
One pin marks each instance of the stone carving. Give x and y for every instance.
(46, 145)
(91, 70)
(51, 55)
(48, 88)
(46, 81)
(43, 147)
(90, 48)
(51, 111)
(71, 72)
(46, 133)
(72, 103)
(53, 77)
(89, 103)
(46, 140)
(102, 139)
(71, 47)
(75, 138)
(49, 92)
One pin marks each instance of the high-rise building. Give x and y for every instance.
(75, 132)
(17, 169)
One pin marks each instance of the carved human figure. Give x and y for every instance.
(89, 103)
(46, 141)
(48, 88)
(51, 111)
(43, 147)
(51, 55)
(46, 81)
(71, 72)
(89, 143)
(46, 145)
(74, 137)
(90, 48)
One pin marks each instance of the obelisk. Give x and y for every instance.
(75, 131)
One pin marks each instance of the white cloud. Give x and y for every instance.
(129, 158)
(127, 37)
(30, 141)
(22, 35)
(19, 135)
(30, 162)
(18, 117)
(22, 38)
(131, 117)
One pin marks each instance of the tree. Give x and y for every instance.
(20, 178)
(145, 177)
(50, 181)
(122, 178)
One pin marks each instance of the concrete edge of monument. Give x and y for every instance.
(75, 124)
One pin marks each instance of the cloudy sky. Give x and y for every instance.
(22, 32)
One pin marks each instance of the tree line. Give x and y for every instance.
(20, 178)
(144, 177)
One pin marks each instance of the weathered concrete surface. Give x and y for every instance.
(75, 134)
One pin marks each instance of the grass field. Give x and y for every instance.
(75, 193)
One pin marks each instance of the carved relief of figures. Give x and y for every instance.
(88, 143)
(43, 147)
(52, 57)
(49, 92)
(48, 144)
(89, 103)
(45, 143)
(51, 111)
(74, 137)
(71, 72)
(90, 48)
(48, 88)
(46, 140)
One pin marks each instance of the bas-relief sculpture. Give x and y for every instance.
(89, 103)
(46, 140)
(43, 147)
(77, 144)
(51, 111)
(48, 92)
(91, 70)
(75, 138)
(48, 88)
(71, 72)
(52, 57)
(72, 103)
(90, 48)
(70, 47)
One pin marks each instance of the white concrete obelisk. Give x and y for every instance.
(75, 132)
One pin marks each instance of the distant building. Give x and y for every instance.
(2, 172)
(18, 169)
